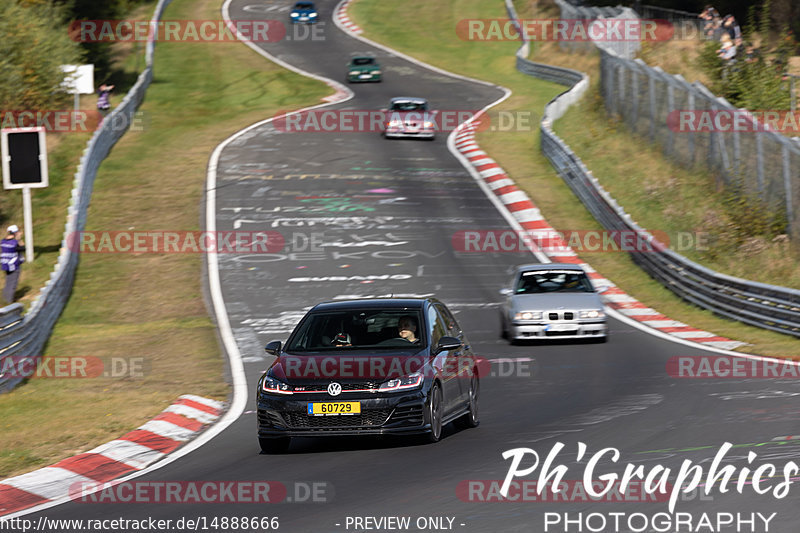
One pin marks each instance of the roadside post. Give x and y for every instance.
(78, 80)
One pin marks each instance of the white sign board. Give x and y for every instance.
(79, 79)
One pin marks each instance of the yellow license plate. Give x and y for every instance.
(334, 408)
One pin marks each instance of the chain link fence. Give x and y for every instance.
(694, 127)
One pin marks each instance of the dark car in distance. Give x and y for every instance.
(363, 68)
(368, 367)
(303, 13)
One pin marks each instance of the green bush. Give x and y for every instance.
(33, 44)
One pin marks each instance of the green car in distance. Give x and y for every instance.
(363, 68)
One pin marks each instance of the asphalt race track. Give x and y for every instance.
(378, 217)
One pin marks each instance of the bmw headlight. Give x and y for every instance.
(528, 315)
(592, 313)
(312, 14)
(375, 72)
(273, 386)
(294, 15)
(354, 73)
(412, 381)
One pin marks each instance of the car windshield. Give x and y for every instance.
(409, 106)
(363, 61)
(356, 329)
(304, 5)
(540, 281)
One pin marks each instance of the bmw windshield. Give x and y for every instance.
(544, 281)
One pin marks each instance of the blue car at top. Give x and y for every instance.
(304, 13)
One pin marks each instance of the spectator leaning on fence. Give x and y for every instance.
(11, 258)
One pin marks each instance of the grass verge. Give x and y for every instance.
(148, 309)
(427, 31)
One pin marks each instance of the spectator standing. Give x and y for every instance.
(710, 18)
(11, 259)
(733, 30)
(104, 98)
(727, 51)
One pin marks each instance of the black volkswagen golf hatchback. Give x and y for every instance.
(369, 367)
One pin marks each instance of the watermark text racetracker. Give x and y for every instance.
(269, 245)
(493, 241)
(734, 121)
(69, 121)
(729, 367)
(179, 242)
(385, 367)
(201, 492)
(575, 30)
(188, 31)
(74, 367)
(376, 120)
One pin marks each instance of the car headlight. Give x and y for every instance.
(375, 72)
(528, 315)
(312, 14)
(295, 14)
(394, 123)
(427, 124)
(592, 313)
(412, 381)
(274, 386)
(354, 73)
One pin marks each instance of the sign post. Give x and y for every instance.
(78, 79)
(24, 155)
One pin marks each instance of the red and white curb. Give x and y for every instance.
(344, 19)
(176, 425)
(530, 219)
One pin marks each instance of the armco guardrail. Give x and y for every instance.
(22, 338)
(759, 304)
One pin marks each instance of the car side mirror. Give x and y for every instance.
(506, 292)
(273, 347)
(448, 343)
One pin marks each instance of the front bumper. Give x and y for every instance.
(416, 134)
(304, 20)
(558, 330)
(355, 78)
(380, 415)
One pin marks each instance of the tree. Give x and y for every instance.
(33, 44)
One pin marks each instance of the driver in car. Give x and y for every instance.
(407, 328)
